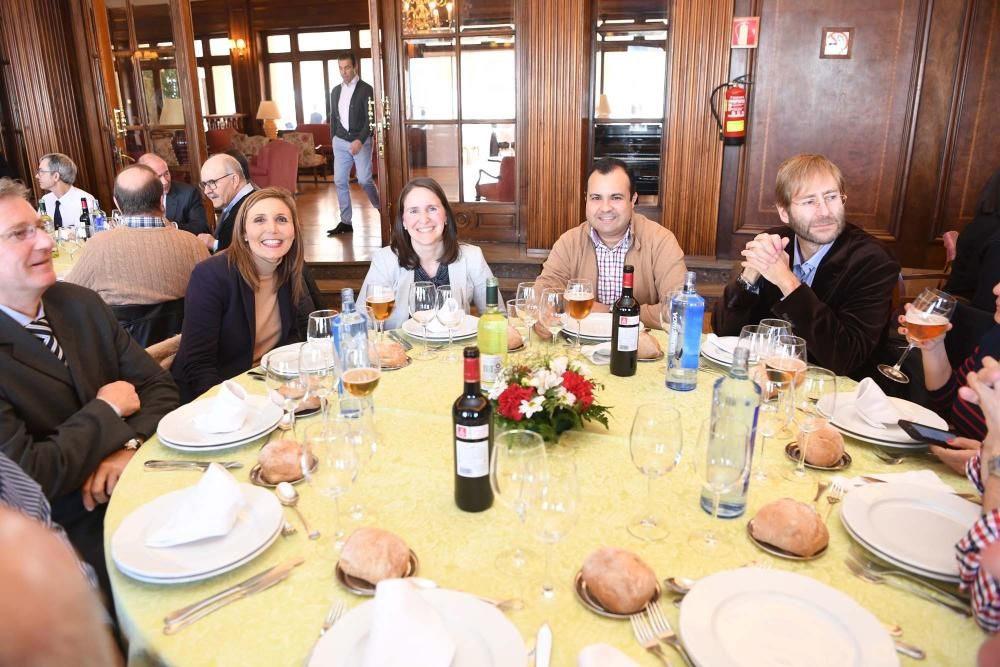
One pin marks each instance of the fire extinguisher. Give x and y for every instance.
(733, 123)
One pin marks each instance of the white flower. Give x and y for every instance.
(580, 368)
(529, 408)
(544, 379)
(498, 388)
(565, 397)
(558, 365)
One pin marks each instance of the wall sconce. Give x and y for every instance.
(239, 46)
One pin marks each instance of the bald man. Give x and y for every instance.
(182, 203)
(223, 183)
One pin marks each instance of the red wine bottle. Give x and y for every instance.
(473, 417)
(625, 328)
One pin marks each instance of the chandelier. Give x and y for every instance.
(426, 15)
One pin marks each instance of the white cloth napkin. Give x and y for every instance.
(926, 478)
(603, 655)
(598, 354)
(207, 509)
(226, 412)
(406, 630)
(873, 406)
(436, 328)
(724, 343)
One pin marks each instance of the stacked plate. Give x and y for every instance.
(594, 328)
(719, 349)
(847, 420)
(177, 430)
(753, 616)
(256, 528)
(436, 331)
(911, 526)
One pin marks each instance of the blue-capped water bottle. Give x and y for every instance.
(687, 311)
(99, 218)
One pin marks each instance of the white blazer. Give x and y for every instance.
(470, 271)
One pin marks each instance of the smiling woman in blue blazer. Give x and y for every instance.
(244, 302)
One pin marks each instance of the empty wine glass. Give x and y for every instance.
(518, 457)
(337, 466)
(655, 443)
(319, 370)
(381, 298)
(321, 326)
(773, 327)
(554, 506)
(722, 460)
(815, 401)
(926, 318)
(774, 413)
(515, 322)
(358, 419)
(285, 384)
(423, 303)
(755, 338)
(579, 301)
(526, 303)
(552, 311)
(450, 313)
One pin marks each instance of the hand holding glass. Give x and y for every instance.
(926, 318)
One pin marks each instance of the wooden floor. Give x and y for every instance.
(319, 211)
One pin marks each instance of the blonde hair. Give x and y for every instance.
(796, 171)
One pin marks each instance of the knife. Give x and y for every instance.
(407, 345)
(157, 464)
(543, 646)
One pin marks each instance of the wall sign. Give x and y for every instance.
(837, 43)
(745, 32)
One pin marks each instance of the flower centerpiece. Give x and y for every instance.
(547, 395)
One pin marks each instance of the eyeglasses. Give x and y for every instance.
(212, 183)
(22, 233)
(830, 199)
(44, 171)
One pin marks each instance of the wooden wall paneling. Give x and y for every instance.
(278, 14)
(396, 158)
(553, 74)
(247, 74)
(698, 61)
(187, 82)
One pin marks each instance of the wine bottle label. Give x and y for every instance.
(490, 365)
(463, 432)
(628, 333)
(472, 458)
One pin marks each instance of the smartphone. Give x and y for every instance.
(927, 433)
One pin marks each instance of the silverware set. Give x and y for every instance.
(877, 574)
(651, 627)
(156, 464)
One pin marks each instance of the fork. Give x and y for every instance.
(337, 610)
(862, 574)
(887, 458)
(836, 494)
(821, 488)
(877, 570)
(644, 635)
(663, 631)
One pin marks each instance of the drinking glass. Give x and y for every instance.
(722, 461)
(552, 311)
(655, 443)
(515, 321)
(285, 385)
(518, 458)
(360, 368)
(787, 354)
(774, 413)
(337, 468)
(423, 303)
(772, 328)
(554, 506)
(926, 318)
(318, 370)
(450, 313)
(381, 298)
(579, 300)
(754, 338)
(815, 401)
(321, 326)
(358, 420)
(527, 307)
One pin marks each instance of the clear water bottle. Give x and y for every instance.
(98, 217)
(353, 324)
(687, 311)
(735, 399)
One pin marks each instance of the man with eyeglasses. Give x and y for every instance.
(832, 280)
(56, 173)
(223, 183)
(182, 203)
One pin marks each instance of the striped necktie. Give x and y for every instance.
(41, 330)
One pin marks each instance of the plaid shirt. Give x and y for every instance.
(984, 587)
(610, 265)
(143, 221)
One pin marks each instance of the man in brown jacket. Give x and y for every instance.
(615, 235)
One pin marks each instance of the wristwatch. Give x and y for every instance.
(747, 286)
(993, 466)
(132, 444)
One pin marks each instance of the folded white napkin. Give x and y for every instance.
(927, 478)
(603, 655)
(406, 630)
(207, 509)
(598, 354)
(724, 343)
(873, 406)
(226, 412)
(436, 328)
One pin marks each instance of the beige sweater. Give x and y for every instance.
(127, 266)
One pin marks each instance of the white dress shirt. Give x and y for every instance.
(69, 205)
(344, 103)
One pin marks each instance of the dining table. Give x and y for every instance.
(407, 488)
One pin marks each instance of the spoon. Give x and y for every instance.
(289, 497)
(512, 604)
(288, 529)
(680, 585)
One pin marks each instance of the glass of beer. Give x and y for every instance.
(361, 368)
(381, 299)
(785, 364)
(926, 319)
(579, 297)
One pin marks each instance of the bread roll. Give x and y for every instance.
(792, 526)
(308, 403)
(391, 354)
(826, 446)
(514, 338)
(649, 348)
(279, 461)
(619, 580)
(373, 554)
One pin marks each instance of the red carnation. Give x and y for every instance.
(580, 387)
(510, 401)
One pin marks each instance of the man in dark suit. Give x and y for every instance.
(78, 395)
(352, 140)
(832, 280)
(182, 202)
(223, 182)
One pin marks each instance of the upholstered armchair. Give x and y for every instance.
(322, 138)
(276, 165)
(308, 157)
(503, 188)
(220, 141)
(249, 145)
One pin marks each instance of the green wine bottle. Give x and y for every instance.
(492, 336)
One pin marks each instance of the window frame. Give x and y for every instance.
(206, 62)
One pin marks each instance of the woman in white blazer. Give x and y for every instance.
(425, 247)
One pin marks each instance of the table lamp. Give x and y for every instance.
(172, 112)
(268, 112)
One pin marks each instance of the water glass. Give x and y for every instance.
(356, 416)
(318, 367)
(285, 385)
(552, 311)
(526, 303)
(518, 458)
(321, 325)
(722, 461)
(337, 466)
(655, 444)
(450, 313)
(423, 307)
(554, 506)
(815, 402)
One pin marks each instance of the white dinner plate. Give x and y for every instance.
(290, 346)
(720, 355)
(482, 634)
(594, 327)
(436, 331)
(911, 524)
(178, 427)
(951, 579)
(753, 616)
(847, 420)
(256, 526)
(217, 448)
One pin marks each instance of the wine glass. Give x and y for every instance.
(579, 300)
(318, 369)
(655, 444)
(337, 466)
(450, 313)
(815, 401)
(321, 326)
(755, 338)
(552, 311)
(360, 368)
(515, 321)
(926, 318)
(774, 412)
(554, 505)
(722, 461)
(381, 299)
(423, 303)
(285, 385)
(526, 303)
(787, 354)
(518, 457)
(359, 423)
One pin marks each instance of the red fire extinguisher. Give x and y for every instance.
(733, 123)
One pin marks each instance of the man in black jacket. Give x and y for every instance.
(352, 140)
(181, 202)
(223, 183)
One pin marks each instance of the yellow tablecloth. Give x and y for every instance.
(408, 486)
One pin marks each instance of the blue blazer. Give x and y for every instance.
(220, 322)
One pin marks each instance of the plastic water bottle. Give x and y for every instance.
(687, 310)
(100, 220)
(735, 399)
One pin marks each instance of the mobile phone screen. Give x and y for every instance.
(926, 433)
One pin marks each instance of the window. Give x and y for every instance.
(215, 75)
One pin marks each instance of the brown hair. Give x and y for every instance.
(795, 171)
(239, 253)
(400, 243)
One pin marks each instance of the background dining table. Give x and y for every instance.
(407, 487)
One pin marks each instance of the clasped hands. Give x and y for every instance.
(98, 486)
(766, 256)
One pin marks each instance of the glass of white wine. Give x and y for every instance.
(361, 369)
(579, 297)
(382, 300)
(926, 318)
